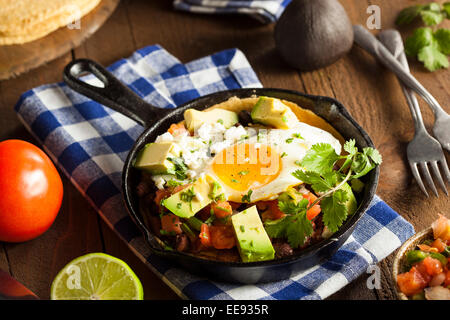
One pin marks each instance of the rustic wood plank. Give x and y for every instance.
(112, 41)
(4, 264)
(377, 103)
(370, 92)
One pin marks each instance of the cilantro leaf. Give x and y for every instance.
(421, 37)
(292, 208)
(442, 37)
(431, 14)
(295, 226)
(334, 210)
(408, 15)
(427, 46)
(298, 230)
(319, 183)
(276, 228)
(373, 154)
(446, 8)
(350, 147)
(432, 58)
(320, 158)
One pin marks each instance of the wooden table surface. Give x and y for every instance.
(370, 92)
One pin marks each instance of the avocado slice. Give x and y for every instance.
(154, 157)
(273, 112)
(187, 202)
(195, 119)
(253, 242)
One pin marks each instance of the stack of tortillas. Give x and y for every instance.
(27, 20)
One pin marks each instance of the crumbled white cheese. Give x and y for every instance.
(159, 181)
(165, 137)
(235, 133)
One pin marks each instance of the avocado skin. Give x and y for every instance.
(312, 34)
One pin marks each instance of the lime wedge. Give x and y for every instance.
(96, 276)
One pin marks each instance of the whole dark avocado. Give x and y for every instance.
(312, 34)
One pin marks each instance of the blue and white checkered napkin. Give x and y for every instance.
(265, 11)
(89, 142)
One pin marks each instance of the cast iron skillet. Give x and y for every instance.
(156, 121)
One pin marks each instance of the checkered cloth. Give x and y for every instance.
(265, 11)
(89, 143)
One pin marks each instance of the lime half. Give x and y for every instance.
(96, 276)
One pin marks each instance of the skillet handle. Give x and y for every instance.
(113, 94)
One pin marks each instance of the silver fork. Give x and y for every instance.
(441, 127)
(423, 150)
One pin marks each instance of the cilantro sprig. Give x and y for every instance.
(295, 226)
(430, 46)
(327, 180)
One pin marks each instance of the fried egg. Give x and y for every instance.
(244, 160)
(264, 162)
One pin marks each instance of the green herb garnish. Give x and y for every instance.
(246, 197)
(321, 175)
(173, 183)
(431, 47)
(187, 195)
(214, 194)
(180, 168)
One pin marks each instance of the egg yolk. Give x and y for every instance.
(244, 166)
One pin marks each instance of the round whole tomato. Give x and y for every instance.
(31, 191)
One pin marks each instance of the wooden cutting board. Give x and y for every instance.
(17, 59)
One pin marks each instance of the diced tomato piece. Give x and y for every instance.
(411, 282)
(273, 212)
(171, 223)
(176, 129)
(441, 228)
(165, 193)
(315, 210)
(222, 237)
(432, 266)
(222, 209)
(205, 235)
(447, 278)
(423, 271)
(439, 245)
(179, 188)
(161, 194)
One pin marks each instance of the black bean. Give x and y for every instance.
(282, 249)
(181, 243)
(245, 118)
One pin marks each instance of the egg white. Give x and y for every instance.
(198, 153)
